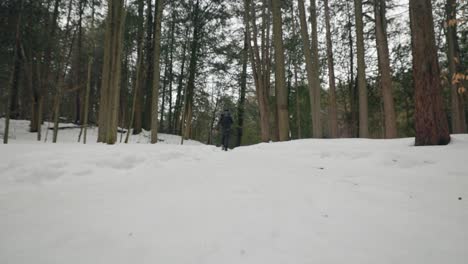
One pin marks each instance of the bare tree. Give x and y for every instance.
(111, 73)
(280, 81)
(190, 87)
(242, 91)
(453, 50)
(312, 73)
(157, 54)
(331, 75)
(260, 64)
(296, 84)
(384, 68)
(430, 121)
(84, 125)
(13, 85)
(179, 97)
(362, 86)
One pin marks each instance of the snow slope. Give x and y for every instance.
(308, 201)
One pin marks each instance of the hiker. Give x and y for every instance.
(225, 122)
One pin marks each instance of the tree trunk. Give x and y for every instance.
(179, 101)
(60, 77)
(182, 120)
(188, 109)
(265, 68)
(88, 83)
(316, 69)
(296, 83)
(13, 85)
(124, 88)
(149, 69)
(298, 104)
(163, 95)
(362, 86)
(281, 91)
(105, 79)
(242, 91)
(115, 87)
(212, 121)
(40, 111)
(331, 76)
(136, 91)
(110, 87)
(167, 91)
(353, 124)
(457, 102)
(43, 73)
(86, 100)
(28, 69)
(430, 121)
(384, 68)
(138, 102)
(315, 109)
(157, 54)
(171, 70)
(260, 68)
(57, 101)
(77, 66)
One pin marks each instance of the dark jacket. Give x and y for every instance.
(225, 121)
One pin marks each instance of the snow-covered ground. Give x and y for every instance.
(69, 133)
(309, 201)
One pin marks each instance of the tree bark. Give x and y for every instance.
(266, 49)
(150, 66)
(384, 68)
(86, 100)
(136, 89)
(242, 91)
(110, 87)
(107, 61)
(61, 75)
(171, 70)
(115, 87)
(260, 68)
(124, 88)
(362, 86)
(353, 124)
(213, 119)
(179, 97)
(311, 77)
(331, 76)
(188, 109)
(44, 73)
(430, 121)
(157, 54)
(315, 68)
(281, 91)
(163, 95)
(457, 100)
(84, 126)
(13, 85)
(77, 66)
(296, 83)
(138, 109)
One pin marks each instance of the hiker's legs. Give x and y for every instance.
(223, 140)
(226, 139)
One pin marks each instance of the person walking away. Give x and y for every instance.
(225, 121)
